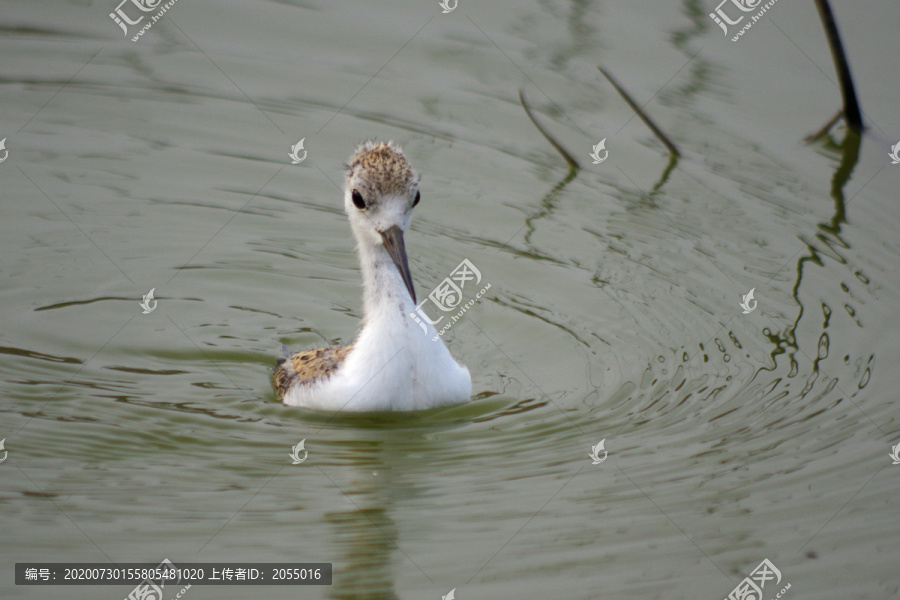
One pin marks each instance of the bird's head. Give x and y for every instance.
(379, 195)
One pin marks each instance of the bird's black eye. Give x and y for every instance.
(358, 200)
(418, 197)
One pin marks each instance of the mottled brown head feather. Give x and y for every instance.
(381, 170)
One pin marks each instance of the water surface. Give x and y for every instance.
(613, 312)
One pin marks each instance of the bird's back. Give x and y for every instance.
(308, 367)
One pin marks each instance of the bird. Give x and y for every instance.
(392, 364)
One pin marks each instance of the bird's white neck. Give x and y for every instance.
(385, 297)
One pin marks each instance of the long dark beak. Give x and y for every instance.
(393, 243)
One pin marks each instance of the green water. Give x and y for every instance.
(613, 312)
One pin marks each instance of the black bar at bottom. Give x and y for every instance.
(170, 575)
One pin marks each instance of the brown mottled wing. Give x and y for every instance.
(308, 367)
